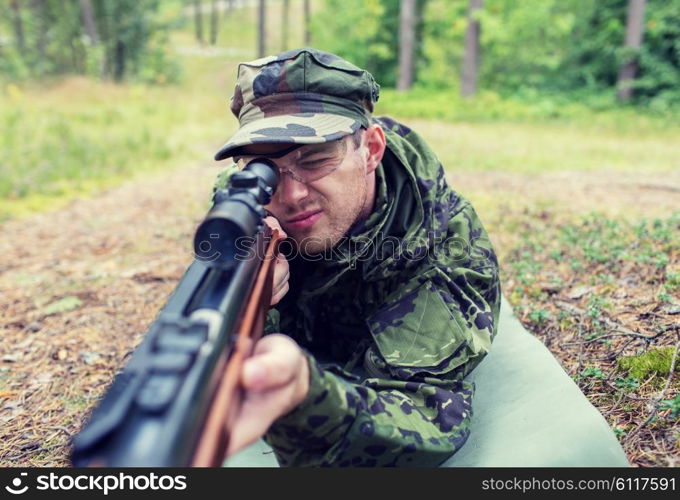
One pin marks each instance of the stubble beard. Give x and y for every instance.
(340, 220)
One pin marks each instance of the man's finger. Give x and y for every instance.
(275, 362)
(256, 416)
(273, 223)
(276, 298)
(283, 281)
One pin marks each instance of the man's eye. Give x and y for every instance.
(314, 165)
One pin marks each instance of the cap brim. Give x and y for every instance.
(299, 128)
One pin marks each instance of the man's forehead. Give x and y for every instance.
(272, 149)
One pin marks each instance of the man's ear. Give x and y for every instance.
(375, 143)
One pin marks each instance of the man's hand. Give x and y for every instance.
(281, 270)
(275, 380)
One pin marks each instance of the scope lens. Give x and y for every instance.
(216, 241)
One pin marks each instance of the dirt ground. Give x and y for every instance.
(80, 285)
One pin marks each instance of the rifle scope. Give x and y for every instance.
(236, 214)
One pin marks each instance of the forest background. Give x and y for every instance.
(559, 119)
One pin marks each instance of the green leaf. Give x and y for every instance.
(62, 305)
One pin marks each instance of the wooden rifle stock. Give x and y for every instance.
(214, 440)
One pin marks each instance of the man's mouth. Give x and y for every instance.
(305, 219)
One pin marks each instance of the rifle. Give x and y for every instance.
(174, 402)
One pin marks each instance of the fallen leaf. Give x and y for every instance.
(90, 358)
(579, 292)
(62, 305)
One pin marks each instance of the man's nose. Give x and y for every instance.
(290, 190)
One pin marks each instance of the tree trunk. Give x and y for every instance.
(18, 25)
(407, 29)
(634, 31)
(284, 24)
(308, 15)
(214, 21)
(261, 30)
(119, 62)
(88, 21)
(198, 21)
(41, 15)
(472, 51)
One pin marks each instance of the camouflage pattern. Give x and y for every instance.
(300, 96)
(391, 334)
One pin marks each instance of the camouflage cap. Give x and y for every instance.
(301, 96)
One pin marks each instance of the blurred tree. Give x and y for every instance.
(88, 21)
(285, 15)
(261, 29)
(198, 20)
(375, 46)
(42, 21)
(65, 51)
(106, 38)
(634, 31)
(597, 51)
(214, 21)
(308, 16)
(525, 43)
(125, 27)
(442, 44)
(18, 24)
(407, 24)
(471, 55)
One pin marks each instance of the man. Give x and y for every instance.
(391, 296)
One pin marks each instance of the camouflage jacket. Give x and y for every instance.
(392, 320)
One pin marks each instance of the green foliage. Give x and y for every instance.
(55, 140)
(593, 372)
(627, 384)
(598, 34)
(619, 432)
(129, 40)
(672, 281)
(656, 360)
(524, 43)
(543, 52)
(538, 315)
(156, 64)
(596, 305)
(673, 405)
(598, 52)
(62, 305)
(334, 29)
(365, 32)
(444, 24)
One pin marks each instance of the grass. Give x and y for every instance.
(489, 106)
(652, 361)
(74, 137)
(533, 148)
(589, 289)
(86, 136)
(79, 136)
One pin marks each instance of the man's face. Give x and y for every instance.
(317, 213)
